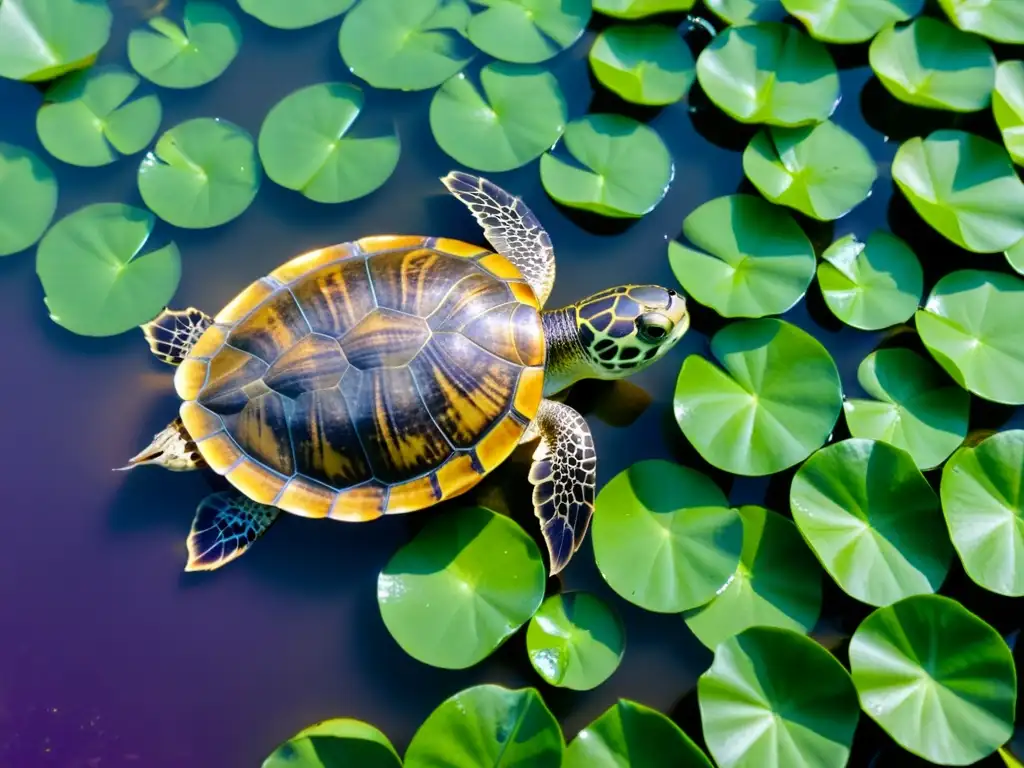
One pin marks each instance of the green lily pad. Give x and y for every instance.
(86, 121)
(773, 697)
(294, 14)
(870, 517)
(739, 12)
(850, 21)
(629, 734)
(871, 285)
(337, 742)
(1008, 107)
(936, 678)
(96, 280)
(983, 502)
(820, 170)
(621, 168)
(43, 39)
(517, 112)
(965, 187)
(771, 404)
(639, 9)
(488, 725)
(971, 325)
(929, 63)
(777, 583)
(754, 259)
(28, 198)
(1015, 257)
(303, 145)
(527, 31)
(175, 58)
(675, 521)
(202, 173)
(411, 46)
(647, 64)
(916, 407)
(575, 640)
(999, 20)
(771, 73)
(461, 587)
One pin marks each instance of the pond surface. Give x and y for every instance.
(112, 656)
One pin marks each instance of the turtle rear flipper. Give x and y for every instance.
(171, 448)
(174, 332)
(225, 526)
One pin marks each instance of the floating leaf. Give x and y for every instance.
(461, 587)
(638, 9)
(777, 583)
(769, 73)
(1000, 20)
(630, 734)
(740, 12)
(971, 325)
(294, 14)
(871, 285)
(488, 725)
(575, 640)
(411, 46)
(85, 120)
(676, 521)
(1008, 107)
(771, 404)
(754, 259)
(28, 198)
(202, 173)
(983, 502)
(965, 187)
(175, 58)
(850, 21)
(527, 31)
(337, 742)
(648, 64)
(822, 170)
(1015, 257)
(936, 678)
(43, 39)
(304, 145)
(773, 697)
(95, 280)
(517, 113)
(621, 167)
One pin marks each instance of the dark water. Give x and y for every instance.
(112, 656)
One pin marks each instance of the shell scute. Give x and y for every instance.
(316, 362)
(261, 430)
(326, 444)
(336, 298)
(416, 281)
(272, 328)
(385, 339)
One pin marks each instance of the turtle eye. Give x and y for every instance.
(653, 327)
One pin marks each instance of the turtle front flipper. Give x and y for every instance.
(225, 526)
(564, 474)
(171, 448)
(510, 227)
(174, 332)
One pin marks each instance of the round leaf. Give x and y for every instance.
(769, 73)
(488, 725)
(86, 121)
(740, 12)
(821, 170)
(773, 697)
(850, 21)
(620, 167)
(777, 583)
(294, 14)
(971, 325)
(461, 587)
(936, 678)
(28, 198)
(965, 187)
(630, 734)
(43, 39)
(527, 31)
(173, 58)
(773, 401)
(649, 64)
(411, 46)
(516, 114)
(304, 145)
(95, 280)
(337, 742)
(676, 521)
(754, 259)
(982, 499)
(575, 640)
(1008, 107)
(202, 173)
(639, 9)
(1000, 20)
(871, 285)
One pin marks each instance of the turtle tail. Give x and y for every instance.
(171, 448)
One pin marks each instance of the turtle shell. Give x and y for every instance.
(372, 377)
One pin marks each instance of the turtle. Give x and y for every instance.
(390, 373)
